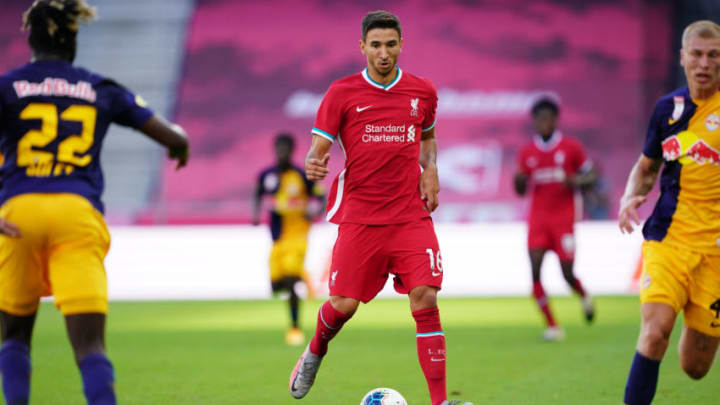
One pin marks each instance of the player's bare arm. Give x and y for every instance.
(520, 182)
(170, 135)
(429, 182)
(641, 180)
(317, 159)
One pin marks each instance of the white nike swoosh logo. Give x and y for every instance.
(436, 360)
(435, 274)
(358, 109)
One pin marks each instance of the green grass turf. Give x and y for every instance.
(234, 353)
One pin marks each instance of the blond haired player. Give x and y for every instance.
(681, 253)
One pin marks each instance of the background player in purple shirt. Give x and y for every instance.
(53, 118)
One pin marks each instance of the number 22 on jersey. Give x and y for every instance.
(40, 163)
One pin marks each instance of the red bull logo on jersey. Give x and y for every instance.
(703, 153)
(55, 87)
(671, 148)
(679, 102)
(686, 147)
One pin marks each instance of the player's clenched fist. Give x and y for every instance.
(316, 169)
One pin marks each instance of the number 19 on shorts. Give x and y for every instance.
(435, 258)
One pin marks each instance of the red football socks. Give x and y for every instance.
(542, 301)
(330, 320)
(431, 352)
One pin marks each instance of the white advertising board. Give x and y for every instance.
(231, 262)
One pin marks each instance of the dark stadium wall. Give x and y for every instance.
(684, 13)
(13, 42)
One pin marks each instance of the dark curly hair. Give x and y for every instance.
(545, 103)
(53, 25)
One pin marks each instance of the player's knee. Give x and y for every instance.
(654, 341)
(18, 328)
(567, 267)
(345, 305)
(423, 297)
(695, 370)
(87, 334)
(289, 284)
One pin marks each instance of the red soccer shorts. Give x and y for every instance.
(550, 235)
(364, 255)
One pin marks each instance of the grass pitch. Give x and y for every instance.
(234, 353)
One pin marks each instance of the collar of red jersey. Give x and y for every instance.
(366, 76)
(550, 144)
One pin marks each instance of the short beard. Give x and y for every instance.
(389, 72)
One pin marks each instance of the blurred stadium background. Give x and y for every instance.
(235, 72)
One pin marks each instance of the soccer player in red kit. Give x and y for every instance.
(556, 166)
(384, 120)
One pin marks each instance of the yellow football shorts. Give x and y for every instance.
(61, 252)
(287, 258)
(686, 280)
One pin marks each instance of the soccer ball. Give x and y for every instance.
(383, 396)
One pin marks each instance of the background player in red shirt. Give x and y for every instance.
(384, 120)
(556, 166)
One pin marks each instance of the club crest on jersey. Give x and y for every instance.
(414, 107)
(678, 110)
(559, 157)
(712, 122)
(271, 181)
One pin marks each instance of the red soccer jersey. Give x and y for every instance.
(548, 164)
(379, 129)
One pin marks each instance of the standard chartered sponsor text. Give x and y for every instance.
(370, 128)
(384, 133)
(383, 138)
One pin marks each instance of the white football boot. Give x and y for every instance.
(303, 375)
(553, 334)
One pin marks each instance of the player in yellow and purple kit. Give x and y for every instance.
(53, 119)
(681, 253)
(290, 220)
